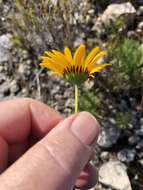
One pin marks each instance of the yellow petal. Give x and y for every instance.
(91, 65)
(57, 58)
(52, 61)
(50, 54)
(68, 54)
(51, 67)
(51, 64)
(98, 68)
(61, 56)
(79, 56)
(91, 55)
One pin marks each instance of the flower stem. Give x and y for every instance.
(76, 99)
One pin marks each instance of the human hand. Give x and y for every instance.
(56, 149)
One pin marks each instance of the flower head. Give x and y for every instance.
(77, 68)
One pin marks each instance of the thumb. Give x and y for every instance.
(56, 161)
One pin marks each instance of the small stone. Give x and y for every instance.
(69, 103)
(67, 111)
(140, 155)
(140, 25)
(140, 10)
(67, 94)
(130, 126)
(139, 31)
(24, 71)
(141, 121)
(88, 85)
(141, 162)
(139, 146)
(14, 87)
(54, 2)
(112, 121)
(78, 41)
(24, 92)
(25, 54)
(110, 107)
(108, 136)
(57, 96)
(139, 132)
(113, 174)
(133, 140)
(5, 46)
(55, 90)
(104, 156)
(91, 11)
(126, 155)
(131, 34)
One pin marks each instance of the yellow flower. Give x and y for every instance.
(76, 69)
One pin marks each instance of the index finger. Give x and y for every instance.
(20, 118)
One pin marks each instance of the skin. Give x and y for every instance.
(38, 149)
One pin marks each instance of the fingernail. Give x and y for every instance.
(85, 128)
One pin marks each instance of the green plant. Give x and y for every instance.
(42, 25)
(35, 23)
(127, 64)
(91, 102)
(124, 82)
(122, 119)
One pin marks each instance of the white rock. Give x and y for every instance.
(104, 155)
(78, 41)
(5, 46)
(108, 136)
(114, 11)
(113, 174)
(126, 155)
(54, 2)
(140, 25)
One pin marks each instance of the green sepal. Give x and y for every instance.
(76, 78)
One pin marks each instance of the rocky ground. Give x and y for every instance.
(119, 154)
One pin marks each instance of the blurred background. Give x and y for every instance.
(115, 97)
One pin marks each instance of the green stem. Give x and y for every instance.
(76, 99)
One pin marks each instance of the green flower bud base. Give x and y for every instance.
(76, 78)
